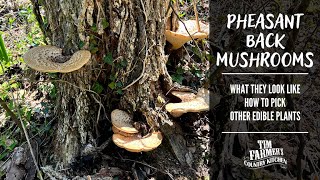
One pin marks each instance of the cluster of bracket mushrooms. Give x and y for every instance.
(50, 59)
(127, 136)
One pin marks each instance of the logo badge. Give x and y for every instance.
(265, 156)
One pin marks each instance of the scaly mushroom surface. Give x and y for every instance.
(123, 121)
(44, 59)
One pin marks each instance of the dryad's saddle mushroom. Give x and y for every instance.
(190, 103)
(181, 36)
(127, 136)
(44, 59)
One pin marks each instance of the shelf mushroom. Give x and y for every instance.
(184, 96)
(123, 121)
(195, 103)
(181, 36)
(127, 136)
(44, 59)
(138, 144)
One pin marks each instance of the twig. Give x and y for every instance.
(184, 26)
(11, 114)
(28, 141)
(196, 15)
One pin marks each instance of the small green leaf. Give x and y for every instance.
(28, 116)
(124, 63)
(105, 23)
(112, 77)
(94, 50)
(12, 145)
(119, 91)
(81, 44)
(177, 78)
(98, 88)
(119, 84)
(108, 59)
(94, 28)
(3, 155)
(112, 85)
(179, 70)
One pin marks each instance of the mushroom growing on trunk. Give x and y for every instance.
(190, 102)
(50, 59)
(186, 31)
(127, 136)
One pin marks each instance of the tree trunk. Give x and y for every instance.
(133, 32)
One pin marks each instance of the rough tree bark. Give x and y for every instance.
(135, 33)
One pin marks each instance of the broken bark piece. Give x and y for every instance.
(181, 36)
(198, 104)
(137, 144)
(123, 121)
(50, 59)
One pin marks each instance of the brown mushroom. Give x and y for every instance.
(137, 144)
(115, 130)
(184, 96)
(198, 104)
(123, 121)
(181, 36)
(44, 59)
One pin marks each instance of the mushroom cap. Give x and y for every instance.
(41, 58)
(184, 96)
(123, 121)
(136, 144)
(115, 130)
(198, 104)
(181, 36)
(152, 140)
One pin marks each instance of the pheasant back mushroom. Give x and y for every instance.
(127, 137)
(123, 121)
(181, 36)
(138, 144)
(199, 103)
(44, 59)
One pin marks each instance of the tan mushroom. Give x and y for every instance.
(123, 121)
(115, 130)
(44, 59)
(137, 144)
(184, 96)
(181, 36)
(198, 104)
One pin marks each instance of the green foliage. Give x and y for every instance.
(7, 145)
(3, 55)
(178, 75)
(105, 23)
(114, 84)
(108, 59)
(49, 88)
(97, 87)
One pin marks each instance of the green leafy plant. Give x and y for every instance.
(178, 75)
(114, 83)
(4, 59)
